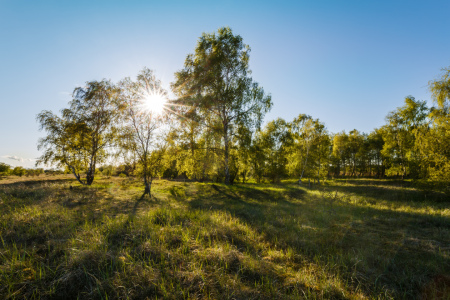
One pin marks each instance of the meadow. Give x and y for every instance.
(343, 239)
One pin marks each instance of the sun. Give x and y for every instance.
(154, 102)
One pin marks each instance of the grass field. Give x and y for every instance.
(345, 239)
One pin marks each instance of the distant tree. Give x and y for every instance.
(79, 138)
(190, 142)
(376, 143)
(30, 172)
(257, 156)
(434, 142)
(440, 89)
(399, 135)
(107, 170)
(50, 172)
(216, 82)
(242, 153)
(300, 129)
(125, 154)
(4, 169)
(275, 141)
(355, 143)
(310, 148)
(321, 150)
(341, 151)
(19, 171)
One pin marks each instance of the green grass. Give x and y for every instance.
(346, 239)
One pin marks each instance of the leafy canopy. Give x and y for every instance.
(215, 82)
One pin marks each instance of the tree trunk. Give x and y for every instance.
(89, 179)
(77, 176)
(354, 167)
(344, 167)
(205, 162)
(90, 174)
(304, 165)
(148, 186)
(318, 174)
(227, 170)
(91, 171)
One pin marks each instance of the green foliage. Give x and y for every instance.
(434, 141)
(375, 146)
(34, 172)
(5, 169)
(141, 135)
(400, 137)
(212, 130)
(341, 152)
(52, 171)
(274, 141)
(107, 170)
(440, 89)
(310, 149)
(79, 138)
(215, 84)
(19, 171)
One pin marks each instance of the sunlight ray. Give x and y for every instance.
(153, 102)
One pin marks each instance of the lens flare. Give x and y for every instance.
(154, 102)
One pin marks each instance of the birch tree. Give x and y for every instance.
(143, 118)
(216, 82)
(78, 140)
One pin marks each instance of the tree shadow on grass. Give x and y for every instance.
(51, 225)
(31, 182)
(205, 262)
(390, 243)
(395, 194)
(366, 248)
(48, 205)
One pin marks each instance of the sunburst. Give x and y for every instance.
(154, 102)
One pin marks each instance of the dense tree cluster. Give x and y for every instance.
(6, 170)
(212, 130)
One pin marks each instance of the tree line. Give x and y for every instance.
(212, 129)
(7, 170)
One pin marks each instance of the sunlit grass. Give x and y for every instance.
(341, 240)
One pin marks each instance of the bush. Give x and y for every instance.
(4, 169)
(19, 171)
(106, 170)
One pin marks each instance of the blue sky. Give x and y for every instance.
(347, 63)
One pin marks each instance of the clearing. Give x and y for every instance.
(345, 239)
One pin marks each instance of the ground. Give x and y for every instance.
(345, 239)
